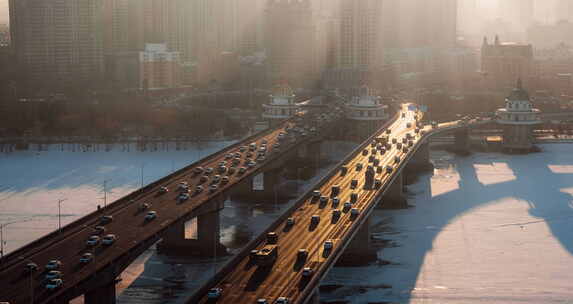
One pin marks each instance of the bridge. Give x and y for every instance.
(345, 230)
(296, 137)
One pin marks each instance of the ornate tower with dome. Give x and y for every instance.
(518, 119)
(281, 105)
(365, 113)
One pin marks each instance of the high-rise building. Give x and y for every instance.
(159, 67)
(290, 42)
(518, 12)
(502, 63)
(57, 42)
(116, 26)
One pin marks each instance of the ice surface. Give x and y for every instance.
(488, 228)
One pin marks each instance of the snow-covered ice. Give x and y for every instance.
(489, 228)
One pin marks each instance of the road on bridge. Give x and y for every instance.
(248, 282)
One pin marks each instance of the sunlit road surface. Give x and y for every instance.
(129, 226)
(248, 282)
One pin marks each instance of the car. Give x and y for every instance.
(374, 152)
(106, 219)
(408, 125)
(243, 148)
(324, 199)
(354, 212)
(371, 158)
(163, 190)
(347, 205)
(388, 131)
(53, 265)
(92, 240)
(405, 140)
(253, 254)
(231, 170)
(108, 239)
(249, 154)
(405, 149)
(353, 183)
(54, 284)
(389, 169)
(242, 170)
(316, 194)
(365, 151)
(396, 159)
(214, 293)
(282, 300)
(262, 301)
(222, 163)
(151, 215)
(399, 146)
(328, 245)
(290, 221)
(208, 171)
(261, 158)
(335, 213)
(272, 238)
(198, 170)
(252, 164)
(222, 169)
(99, 230)
(359, 166)
(53, 274)
(264, 142)
(225, 180)
(228, 156)
(143, 206)
(252, 146)
(315, 219)
(343, 170)
(204, 179)
(307, 272)
(377, 183)
(353, 197)
(86, 258)
(183, 197)
(213, 188)
(198, 189)
(302, 254)
(236, 161)
(183, 186)
(394, 141)
(31, 267)
(216, 179)
(335, 190)
(335, 202)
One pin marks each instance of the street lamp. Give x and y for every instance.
(31, 279)
(142, 166)
(2, 241)
(60, 201)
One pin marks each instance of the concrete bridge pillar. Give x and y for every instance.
(461, 140)
(207, 236)
(101, 295)
(263, 186)
(421, 160)
(359, 250)
(394, 197)
(309, 154)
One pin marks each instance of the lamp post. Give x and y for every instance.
(31, 279)
(142, 166)
(60, 201)
(2, 241)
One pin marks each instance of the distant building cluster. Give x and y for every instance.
(307, 43)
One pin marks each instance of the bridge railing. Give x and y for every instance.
(44, 241)
(231, 264)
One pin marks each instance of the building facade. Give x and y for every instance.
(365, 113)
(518, 119)
(281, 105)
(57, 42)
(159, 67)
(290, 42)
(502, 63)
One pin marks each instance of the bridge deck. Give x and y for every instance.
(128, 225)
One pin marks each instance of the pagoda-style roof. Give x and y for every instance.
(519, 93)
(282, 90)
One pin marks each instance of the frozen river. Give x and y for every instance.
(489, 228)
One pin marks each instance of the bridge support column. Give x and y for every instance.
(101, 295)
(461, 141)
(394, 197)
(359, 250)
(264, 186)
(207, 240)
(309, 154)
(421, 160)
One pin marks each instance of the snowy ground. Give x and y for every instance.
(32, 182)
(489, 228)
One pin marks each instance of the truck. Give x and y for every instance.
(369, 177)
(267, 255)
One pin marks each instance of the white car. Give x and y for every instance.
(108, 239)
(53, 274)
(213, 188)
(262, 301)
(54, 284)
(328, 245)
(150, 215)
(53, 264)
(282, 300)
(93, 240)
(214, 293)
(307, 272)
(290, 221)
(183, 186)
(86, 258)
